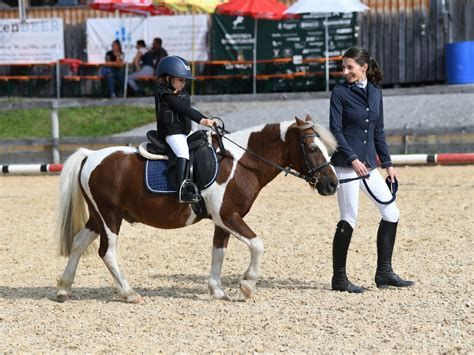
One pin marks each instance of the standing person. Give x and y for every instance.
(173, 115)
(143, 62)
(158, 51)
(356, 120)
(113, 71)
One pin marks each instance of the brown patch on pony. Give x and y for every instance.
(221, 238)
(252, 174)
(113, 192)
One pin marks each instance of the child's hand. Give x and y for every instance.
(207, 122)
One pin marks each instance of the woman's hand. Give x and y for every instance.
(391, 173)
(359, 168)
(207, 122)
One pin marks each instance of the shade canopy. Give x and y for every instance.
(184, 5)
(326, 6)
(260, 9)
(140, 7)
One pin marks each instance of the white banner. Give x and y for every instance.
(175, 31)
(33, 41)
(101, 32)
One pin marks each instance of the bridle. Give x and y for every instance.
(313, 180)
(313, 173)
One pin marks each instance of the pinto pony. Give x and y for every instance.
(99, 189)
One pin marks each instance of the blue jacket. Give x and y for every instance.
(356, 120)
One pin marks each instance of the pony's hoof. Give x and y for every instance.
(135, 299)
(220, 295)
(62, 296)
(246, 288)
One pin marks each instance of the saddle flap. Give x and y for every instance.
(158, 146)
(160, 174)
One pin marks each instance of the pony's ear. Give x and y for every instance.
(308, 118)
(299, 121)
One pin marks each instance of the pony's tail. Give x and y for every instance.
(72, 210)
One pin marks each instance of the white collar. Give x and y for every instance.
(362, 83)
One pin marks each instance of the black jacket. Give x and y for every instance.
(174, 112)
(356, 120)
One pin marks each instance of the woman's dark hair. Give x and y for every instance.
(361, 57)
(117, 42)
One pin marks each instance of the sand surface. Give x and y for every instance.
(293, 308)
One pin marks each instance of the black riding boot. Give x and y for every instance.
(385, 277)
(187, 190)
(340, 245)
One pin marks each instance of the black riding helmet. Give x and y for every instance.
(175, 66)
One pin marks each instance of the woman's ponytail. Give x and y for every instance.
(374, 74)
(361, 57)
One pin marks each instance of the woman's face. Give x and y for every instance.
(353, 71)
(177, 83)
(115, 47)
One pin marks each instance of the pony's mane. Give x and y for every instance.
(326, 137)
(324, 134)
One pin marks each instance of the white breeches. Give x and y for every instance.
(348, 196)
(179, 145)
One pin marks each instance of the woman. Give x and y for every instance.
(113, 72)
(174, 114)
(356, 120)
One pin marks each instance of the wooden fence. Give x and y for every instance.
(407, 37)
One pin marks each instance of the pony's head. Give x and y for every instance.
(316, 144)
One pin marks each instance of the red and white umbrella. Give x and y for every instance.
(258, 9)
(140, 7)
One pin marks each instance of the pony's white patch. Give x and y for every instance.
(284, 128)
(93, 160)
(96, 158)
(192, 217)
(321, 147)
(214, 195)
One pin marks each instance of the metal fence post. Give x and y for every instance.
(55, 132)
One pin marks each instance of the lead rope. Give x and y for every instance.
(393, 187)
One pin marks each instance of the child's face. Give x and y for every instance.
(177, 83)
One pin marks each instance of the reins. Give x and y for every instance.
(393, 187)
(221, 131)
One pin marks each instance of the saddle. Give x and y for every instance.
(160, 166)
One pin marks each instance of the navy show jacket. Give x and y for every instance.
(356, 121)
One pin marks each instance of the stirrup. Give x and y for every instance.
(191, 196)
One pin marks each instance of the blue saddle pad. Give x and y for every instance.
(157, 179)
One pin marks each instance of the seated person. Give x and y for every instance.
(113, 74)
(174, 116)
(158, 51)
(143, 62)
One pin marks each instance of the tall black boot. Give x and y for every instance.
(187, 190)
(385, 277)
(342, 239)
